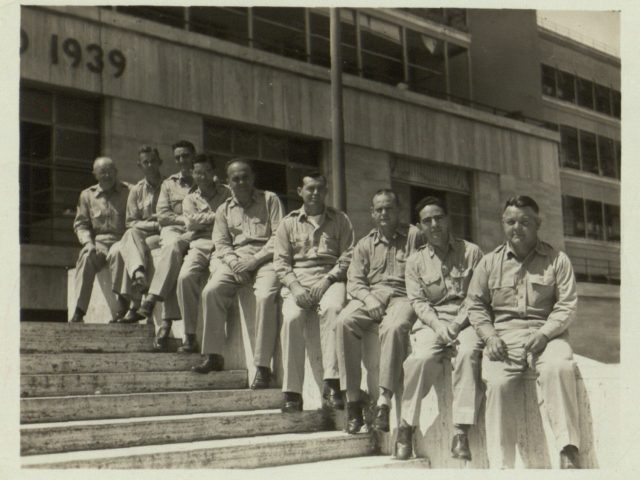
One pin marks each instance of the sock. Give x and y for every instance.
(385, 397)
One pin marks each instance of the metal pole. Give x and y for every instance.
(337, 121)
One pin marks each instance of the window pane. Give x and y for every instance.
(246, 143)
(217, 138)
(304, 152)
(320, 48)
(381, 50)
(349, 35)
(273, 148)
(619, 158)
(426, 64)
(271, 176)
(573, 216)
(566, 87)
(607, 157)
(81, 146)
(173, 16)
(585, 93)
(603, 99)
(35, 142)
(594, 220)
(616, 104)
(79, 112)
(458, 71)
(280, 30)
(35, 105)
(227, 23)
(569, 147)
(548, 81)
(612, 222)
(588, 152)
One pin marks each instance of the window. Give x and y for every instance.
(280, 30)
(615, 98)
(452, 17)
(603, 100)
(585, 93)
(458, 71)
(589, 152)
(566, 87)
(226, 23)
(548, 81)
(607, 157)
(595, 228)
(427, 68)
(59, 139)
(279, 161)
(619, 159)
(381, 50)
(569, 152)
(172, 16)
(573, 216)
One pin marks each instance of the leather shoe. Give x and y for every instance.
(404, 443)
(292, 403)
(160, 343)
(262, 378)
(355, 419)
(460, 447)
(132, 316)
(146, 309)
(189, 345)
(213, 363)
(569, 457)
(381, 422)
(333, 399)
(77, 318)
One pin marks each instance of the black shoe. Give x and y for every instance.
(160, 343)
(404, 443)
(189, 345)
(332, 396)
(132, 316)
(355, 420)
(146, 309)
(460, 447)
(213, 363)
(292, 402)
(77, 318)
(262, 378)
(381, 422)
(570, 457)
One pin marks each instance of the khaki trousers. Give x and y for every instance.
(554, 369)
(87, 267)
(166, 269)
(423, 367)
(134, 252)
(310, 330)
(380, 347)
(217, 298)
(191, 280)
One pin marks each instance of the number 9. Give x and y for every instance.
(118, 60)
(73, 49)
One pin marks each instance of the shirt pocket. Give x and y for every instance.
(328, 244)
(98, 218)
(176, 205)
(502, 292)
(433, 286)
(258, 228)
(301, 242)
(460, 278)
(541, 289)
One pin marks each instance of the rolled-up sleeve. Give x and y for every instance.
(478, 301)
(283, 256)
(565, 308)
(420, 303)
(82, 223)
(357, 274)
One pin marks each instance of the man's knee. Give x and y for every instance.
(399, 326)
(499, 381)
(556, 367)
(211, 290)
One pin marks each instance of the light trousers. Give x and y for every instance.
(191, 279)
(134, 253)
(87, 267)
(380, 347)
(554, 369)
(166, 269)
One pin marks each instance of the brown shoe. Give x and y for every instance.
(404, 442)
(570, 457)
(160, 343)
(381, 422)
(189, 345)
(132, 316)
(355, 418)
(460, 447)
(292, 403)
(213, 363)
(77, 318)
(262, 378)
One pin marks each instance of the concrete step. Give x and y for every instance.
(342, 464)
(45, 363)
(85, 330)
(87, 407)
(248, 452)
(134, 382)
(120, 433)
(104, 344)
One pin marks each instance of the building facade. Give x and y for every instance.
(254, 82)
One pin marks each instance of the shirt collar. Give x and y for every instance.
(400, 231)
(451, 245)
(151, 186)
(539, 248)
(302, 215)
(254, 198)
(116, 188)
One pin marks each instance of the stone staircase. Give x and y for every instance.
(95, 396)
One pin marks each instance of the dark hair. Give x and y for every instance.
(522, 201)
(149, 149)
(313, 174)
(204, 158)
(431, 200)
(238, 160)
(388, 192)
(184, 144)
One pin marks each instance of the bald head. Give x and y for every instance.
(105, 172)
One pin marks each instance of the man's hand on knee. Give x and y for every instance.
(374, 308)
(496, 349)
(537, 343)
(319, 288)
(246, 264)
(88, 248)
(302, 296)
(442, 331)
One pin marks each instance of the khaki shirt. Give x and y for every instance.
(299, 244)
(245, 231)
(141, 207)
(100, 215)
(172, 193)
(541, 290)
(201, 211)
(436, 286)
(378, 264)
